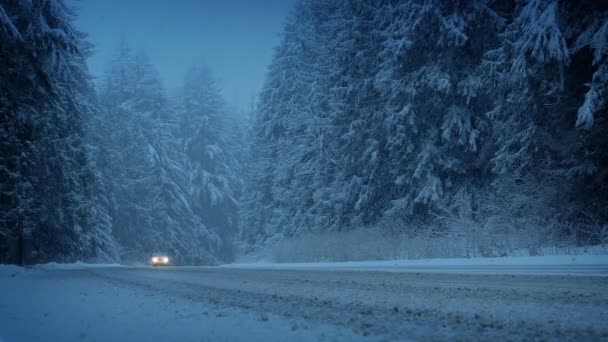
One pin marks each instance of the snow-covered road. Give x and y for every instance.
(327, 303)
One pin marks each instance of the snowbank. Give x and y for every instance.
(71, 266)
(12, 271)
(556, 260)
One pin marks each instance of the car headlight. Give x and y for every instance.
(165, 260)
(155, 260)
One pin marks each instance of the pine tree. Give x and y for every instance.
(47, 197)
(549, 69)
(210, 161)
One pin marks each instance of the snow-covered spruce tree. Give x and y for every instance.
(209, 141)
(550, 74)
(144, 169)
(288, 170)
(356, 117)
(48, 209)
(438, 137)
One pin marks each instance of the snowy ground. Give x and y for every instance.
(308, 302)
(77, 305)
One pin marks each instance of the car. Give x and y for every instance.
(160, 259)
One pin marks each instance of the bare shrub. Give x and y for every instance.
(518, 217)
(360, 244)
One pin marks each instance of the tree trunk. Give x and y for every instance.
(24, 244)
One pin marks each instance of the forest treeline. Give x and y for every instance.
(113, 173)
(482, 117)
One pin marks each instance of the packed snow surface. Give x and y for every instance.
(67, 303)
(532, 298)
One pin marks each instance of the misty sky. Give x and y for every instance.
(234, 37)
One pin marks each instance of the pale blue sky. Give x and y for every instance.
(235, 38)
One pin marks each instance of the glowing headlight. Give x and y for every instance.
(155, 260)
(165, 260)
